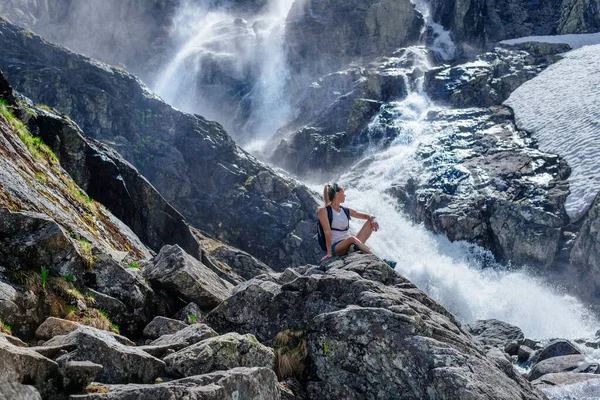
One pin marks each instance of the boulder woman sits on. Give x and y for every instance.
(334, 224)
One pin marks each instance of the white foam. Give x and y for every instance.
(561, 107)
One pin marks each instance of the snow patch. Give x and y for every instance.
(575, 41)
(561, 108)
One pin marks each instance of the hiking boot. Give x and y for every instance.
(351, 248)
(390, 263)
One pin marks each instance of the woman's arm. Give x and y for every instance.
(359, 215)
(326, 229)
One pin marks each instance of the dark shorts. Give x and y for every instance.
(333, 246)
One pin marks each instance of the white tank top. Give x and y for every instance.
(339, 221)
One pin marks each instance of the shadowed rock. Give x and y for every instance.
(162, 326)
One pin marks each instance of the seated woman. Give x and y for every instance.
(337, 236)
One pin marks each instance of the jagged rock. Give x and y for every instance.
(192, 334)
(242, 263)
(558, 348)
(14, 390)
(24, 365)
(367, 339)
(77, 375)
(479, 195)
(53, 326)
(524, 354)
(572, 363)
(363, 29)
(13, 340)
(187, 158)
(237, 383)
(489, 79)
(562, 379)
(161, 350)
(122, 364)
(162, 326)
(220, 353)
(189, 314)
(494, 333)
(186, 277)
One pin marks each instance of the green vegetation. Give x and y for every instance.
(115, 328)
(5, 328)
(192, 319)
(46, 108)
(134, 264)
(69, 278)
(44, 272)
(97, 388)
(38, 149)
(86, 251)
(291, 351)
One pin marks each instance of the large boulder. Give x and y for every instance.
(14, 390)
(369, 337)
(494, 333)
(220, 353)
(237, 383)
(162, 326)
(122, 363)
(558, 348)
(186, 277)
(572, 363)
(190, 335)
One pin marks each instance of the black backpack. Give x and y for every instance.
(321, 233)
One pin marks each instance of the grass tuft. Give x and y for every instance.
(291, 351)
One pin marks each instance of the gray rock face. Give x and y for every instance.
(220, 353)
(502, 193)
(162, 326)
(366, 338)
(480, 22)
(53, 326)
(363, 29)
(240, 383)
(558, 348)
(573, 363)
(122, 364)
(13, 390)
(191, 161)
(189, 314)
(562, 379)
(186, 277)
(77, 375)
(494, 333)
(192, 334)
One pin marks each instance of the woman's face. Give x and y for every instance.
(340, 196)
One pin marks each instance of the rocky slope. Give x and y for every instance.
(191, 161)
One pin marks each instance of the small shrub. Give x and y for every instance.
(69, 278)
(5, 328)
(192, 319)
(134, 264)
(115, 328)
(44, 272)
(97, 388)
(291, 350)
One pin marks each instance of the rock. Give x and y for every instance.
(494, 333)
(162, 326)
(558, 348)
(53, 326)
(161, 350)
(189, 314)
(512, 348)
(14, 390)
(24, 365)
(262, 213)
(573, 363)
(13, 340)
(186, 277)
(524, 354)
(236, 383)
(77, 375)
(562, 379)
(122, 364)
(363, 29)
(367, 339)
(192, 334)
(220, 353)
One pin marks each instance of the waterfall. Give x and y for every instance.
(442, 42)
(228, 68)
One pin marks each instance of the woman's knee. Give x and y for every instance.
(355, 240)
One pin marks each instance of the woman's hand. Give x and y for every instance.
(325, 257)
(374, 224)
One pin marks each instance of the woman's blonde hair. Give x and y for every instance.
(329, 192)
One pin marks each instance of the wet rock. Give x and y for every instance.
(367, 339)
(524, 354)
(162, 326)
(494, 333)
(572, 363)
(53, 326)
(14, 390)
(558, 348)
(220, 353)
(192, 334)
(562, 379)
(186, 277)
(240, 383)
(122, 364)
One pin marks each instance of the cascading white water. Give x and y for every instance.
(218, 55)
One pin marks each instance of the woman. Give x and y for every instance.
(337, 237)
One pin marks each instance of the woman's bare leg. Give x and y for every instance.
(342, 247)
(365, 232)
